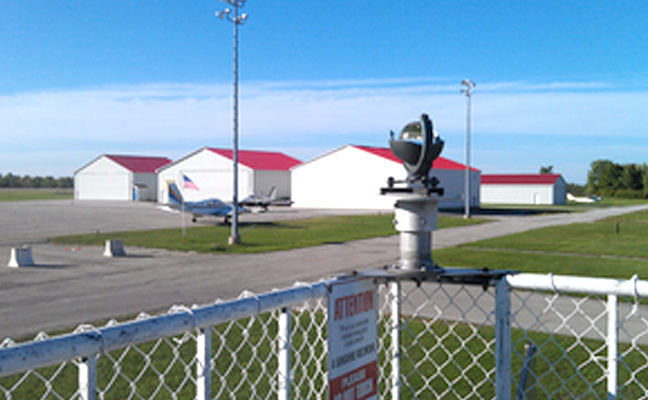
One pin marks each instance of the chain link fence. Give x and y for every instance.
(579, 337)
(438, 337)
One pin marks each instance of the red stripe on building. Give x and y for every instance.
(520, 179)
(260, 160)
(439, 163)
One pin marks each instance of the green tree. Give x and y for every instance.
(603, 178)
(65, 182)
(16, 181)
(49, 182)
(576, 189)
(10, 181)
(546, 170)
(631, 177)
(27, 181)
(644, 179)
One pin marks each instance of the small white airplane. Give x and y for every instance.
(207, 207)
(583, 199)
(260, 200)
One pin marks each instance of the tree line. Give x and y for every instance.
(35, 182)
(607, 178)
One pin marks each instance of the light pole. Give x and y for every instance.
(232, 15)
(469, 85)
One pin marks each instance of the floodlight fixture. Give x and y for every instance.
(223, 14)
(469, 86)
(232, 14)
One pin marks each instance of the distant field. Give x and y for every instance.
(35, 194)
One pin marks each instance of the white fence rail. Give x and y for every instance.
(524, 336)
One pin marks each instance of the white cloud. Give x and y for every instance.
(173, 119)
(563, 113)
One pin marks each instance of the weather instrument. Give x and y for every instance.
(417, 146)
(417, 197)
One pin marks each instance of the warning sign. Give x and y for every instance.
(352, 341)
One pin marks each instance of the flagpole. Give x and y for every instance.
(182, 209)
(184, 227)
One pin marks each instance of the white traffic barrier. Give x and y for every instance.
(21, 257)
(114, 248)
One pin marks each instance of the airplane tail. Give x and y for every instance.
(272, 195)
(175, 196)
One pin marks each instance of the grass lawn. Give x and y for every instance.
(592, 249)
(569, 207)
(35, 194)
(262, 237)
(615, 247)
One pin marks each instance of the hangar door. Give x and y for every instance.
(113, 186)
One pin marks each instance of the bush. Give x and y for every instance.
(629, 194)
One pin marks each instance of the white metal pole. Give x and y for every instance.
(237, 20)
(468, 92)
(395, 292)
(88, 378)
(467, 179)
(235, 238)
(183, 224)
(283, 338)
(612, 350)
(203, 364)
(502, 340)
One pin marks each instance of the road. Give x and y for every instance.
(72, 285)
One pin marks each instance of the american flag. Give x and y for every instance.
(188, 183)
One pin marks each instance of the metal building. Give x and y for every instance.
(351, 177)
(211, 172)
(118, 177)
(523, 189)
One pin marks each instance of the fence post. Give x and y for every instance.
(395, 291)
(612, 359)
(88, 378)
(283, 338)
(502, 340)
(203, 364)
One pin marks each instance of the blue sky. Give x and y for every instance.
(558, 83)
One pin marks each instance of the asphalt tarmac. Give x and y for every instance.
(69, 286)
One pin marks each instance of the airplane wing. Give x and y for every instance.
(209, 207)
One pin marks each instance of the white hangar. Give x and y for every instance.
(523, 189)
(211, 171)
(351, 177)
(118, 177)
